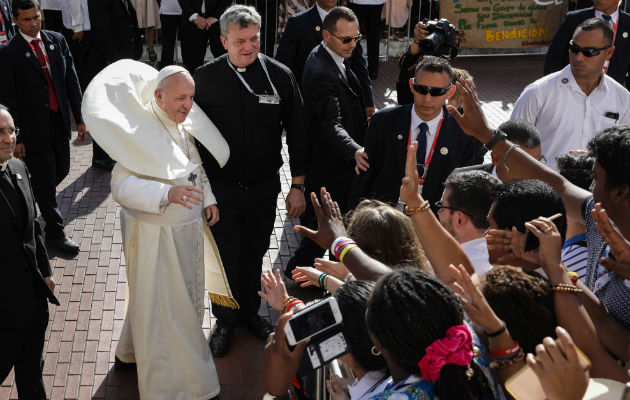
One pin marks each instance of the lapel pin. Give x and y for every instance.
(18, 176)
(399, 137)
(51, 47)
(625, 35)
(565, 80)
(317, 28)
(28, 54)
(443, 151)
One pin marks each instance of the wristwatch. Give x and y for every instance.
(299, 186)
(496, 138)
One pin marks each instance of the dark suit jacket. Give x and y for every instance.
(24, 87)
(5, 9)
(214, 8)
(301, 34)
(25, 261)
(337, 123)
(114, 35)
(386, 145)
(558, 52)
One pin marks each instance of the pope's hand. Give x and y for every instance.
(186, 195)
(212, 214)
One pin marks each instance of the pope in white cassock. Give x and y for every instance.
(147, 122)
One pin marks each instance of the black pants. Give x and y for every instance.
(370, 22)
(194, 42)
(242, 236)
(49, 166)
(170, 26)
(53, 20)
(22, 349)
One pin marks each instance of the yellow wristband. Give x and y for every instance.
(346, 250)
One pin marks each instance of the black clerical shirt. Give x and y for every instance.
(253, 130)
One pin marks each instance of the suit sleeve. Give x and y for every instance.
(359, 67)
(287, 47)
(73, 88)
(41, 255)
(325, 100)
(293, 122)
(101, 29)
(187, 8)
(361, 183)
(558, 52)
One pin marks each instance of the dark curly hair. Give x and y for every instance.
(524, 301)
(611, 149)
(577, 168)
(352, 299)
(407, 311)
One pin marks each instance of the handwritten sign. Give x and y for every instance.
(504, 23)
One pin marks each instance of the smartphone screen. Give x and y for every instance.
(312, 321)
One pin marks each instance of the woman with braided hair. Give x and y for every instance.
(417, 323)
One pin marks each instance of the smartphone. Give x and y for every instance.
(312, 320)
(524, 384)
(532, 242)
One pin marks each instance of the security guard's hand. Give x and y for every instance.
(212, 214)
(295, 203)
(82, 132)
(20, 151)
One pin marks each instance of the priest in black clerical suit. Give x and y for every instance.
(25, 273)
(303, 32)
(336, 120)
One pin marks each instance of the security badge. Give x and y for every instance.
(317, 28)
(565, 80)
(268, 99)
(400, 137)
(625, 35)
(443, 151)
(51, 47)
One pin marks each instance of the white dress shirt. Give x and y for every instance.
(322, 13)
(337, 59)
(415, 129)
(477, 252)
(51, 5)
(373, 382)
(565, 116)
(170, 7)
(75, 15)
(614, 17)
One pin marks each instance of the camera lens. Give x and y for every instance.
(431, 43)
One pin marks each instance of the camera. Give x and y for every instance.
(442, 40)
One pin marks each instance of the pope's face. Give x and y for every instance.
(242, 44)
(176, 96)
(7, 136)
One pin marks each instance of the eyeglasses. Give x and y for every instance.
(435, 92)
(13, 132)
(439, 206)
(346, 40)
(587, 51)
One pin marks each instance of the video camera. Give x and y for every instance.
(443, 39)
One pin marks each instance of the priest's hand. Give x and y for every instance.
(82, 132)
(50, 282)
(186, 195)
(20, 151)
(212, 214)
(295, 203)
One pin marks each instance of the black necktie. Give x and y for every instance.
(422, 147)
(10, 191)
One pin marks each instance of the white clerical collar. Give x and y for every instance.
(28, 38)
(321, 11)
(4, 166)
(614, 17)
(336, 57)
(433, 124)
(163, 117)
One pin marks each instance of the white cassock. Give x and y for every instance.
(168, 248)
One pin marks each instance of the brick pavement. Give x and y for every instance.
(83, 331)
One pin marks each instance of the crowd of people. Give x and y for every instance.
(454, 278)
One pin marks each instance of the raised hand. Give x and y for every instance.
(619, 262)
(409, 190)
(332, 268)
(329, 221)
(307, 275)
(473, 301)
(473, 121)
(275, 291)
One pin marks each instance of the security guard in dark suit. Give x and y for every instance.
(38, 82)
(25, 275)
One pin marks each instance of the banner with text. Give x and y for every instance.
(504, 23)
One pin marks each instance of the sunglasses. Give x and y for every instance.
(346, 40)
(439, 206)
(435, 92)
(587, 51)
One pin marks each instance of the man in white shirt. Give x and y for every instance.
(570, 106)
(76, 28)
(463, 209)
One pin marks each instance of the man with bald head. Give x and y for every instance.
(167, 207)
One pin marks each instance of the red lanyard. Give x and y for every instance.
(3, 32)
(427, 162)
